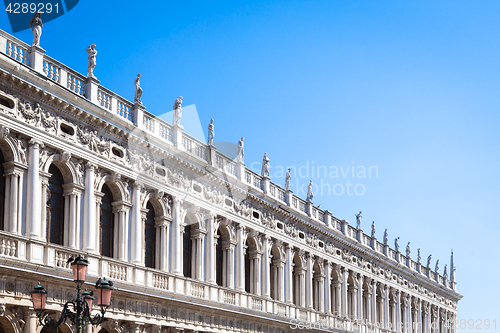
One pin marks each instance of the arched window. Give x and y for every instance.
(187, 247)
(247, 267)
(55, 206)
(107, 223)
(150, 236)
(218, 259)
(2, 192)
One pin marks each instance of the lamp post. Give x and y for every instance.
(77, 311)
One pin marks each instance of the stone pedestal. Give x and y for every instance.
(91, 87)
(419, 267)
(264, 184)
(386, 250)
(327, 218)
(177, 136)
(373, 243)
(397, 256)
(240, 171)
(137, 114)
(36, 58)
(211, 155)
(288, 197)
(345, 223)
(359, 235)
(309, 208)
(408, 261)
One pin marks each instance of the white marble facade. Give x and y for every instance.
(193, 240)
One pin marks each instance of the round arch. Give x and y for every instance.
(9, 323)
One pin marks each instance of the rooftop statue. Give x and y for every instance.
(287, 180)
(437, 266)
(211, 133)
(177, 111)
(408, 250)
(429, 260)
(36, 25)
(92, 60)
(386, 235)
(358, 220)
(241, 150)
(373, 229)
(396, 244)
(138, 90)
(265, 166)
(418, 256)
(310, 194)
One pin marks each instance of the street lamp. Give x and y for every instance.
(81, 307)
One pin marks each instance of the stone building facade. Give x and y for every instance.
(193, 240)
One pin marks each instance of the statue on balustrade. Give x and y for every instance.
(373, 229)
(429, 261)
(396, 244)
(265, 166)
(418, 256)
(408, 250)
(92, 60)
(138, 90)
(36, 25)
(211, 133)
(287, 180)
(310, 194)
(445, 274)
(358, 220)
(241, 151)
(437, 266)
(177, 111)
(386, 237)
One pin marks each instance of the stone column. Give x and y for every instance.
(175, 238)
(368, 300)
(161, 224)
(198, 238)
(385, 291)
(73, 232)
(20, 203)
(33, 206)
(301, 290)
(337, 304)
(353, 295)
(327, 287)
(280, 288)
(30, 320)
(89, 210)
(375, 318)
(288, 274)
(309, 277)
(7, 200)
(45, 185)
(14, 202)
(320, 283)
(344, 293)
(136, 227)
(360, 310)
(266, 276)
(241, 237)
(210, 250)
(398, 311)
(257, 275)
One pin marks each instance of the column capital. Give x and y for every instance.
(37, 143)
(90, 166)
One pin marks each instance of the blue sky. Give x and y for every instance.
(410, 87)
